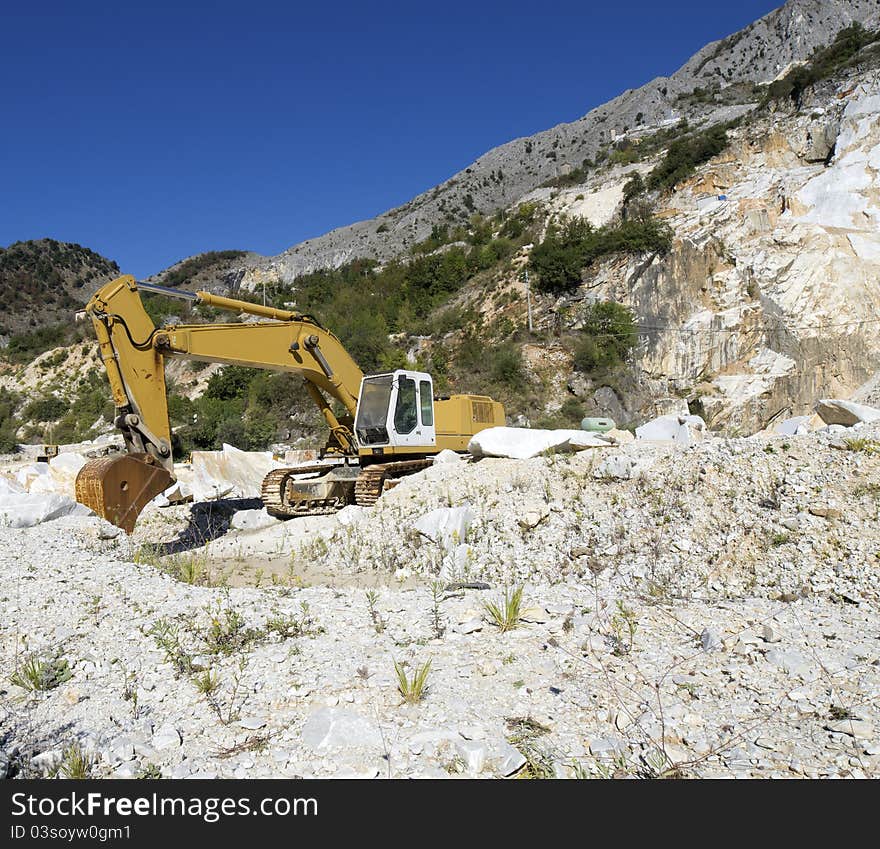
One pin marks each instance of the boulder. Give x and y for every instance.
(63, 469)
(835, 411)
(330, 728)
(28, 475)
(10, 487)
(24, 509)
(230, 473)
(252, 520)
(446, 456)
(619, 437)
(820, 140)
(521, 443)
(796, 426)
(685, 430)
(447, 526)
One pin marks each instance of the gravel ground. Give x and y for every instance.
(703, 612)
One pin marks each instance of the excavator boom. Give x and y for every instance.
(133, 350)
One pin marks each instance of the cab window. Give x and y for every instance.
(426, 401)
(405, 414)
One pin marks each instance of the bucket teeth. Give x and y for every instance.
(118, 488)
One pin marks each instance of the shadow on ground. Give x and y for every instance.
(208, 520)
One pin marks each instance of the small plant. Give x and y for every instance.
(76, 763)
(624, 625)
(372, 600)
(616, 767)
(860, 443)
(93, 608)
(192, 570)
(254, 743)
(37, 674)
(207, 682)
(288, 626)
(167, 635)
(506, 613)
(779, 539)
(838, 712)
(188, 568)
(539, 763)
(412, 688)
(209, 686)
(226, 632)
(130, 692)
(150, 772)
(437, 627)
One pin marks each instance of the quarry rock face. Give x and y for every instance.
(766, 300)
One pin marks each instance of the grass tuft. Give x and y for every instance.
(506, 614)
(76, 763)
(412, 688)
(37, 674)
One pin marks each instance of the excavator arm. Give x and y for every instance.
(133, 350)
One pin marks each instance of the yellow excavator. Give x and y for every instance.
(391, 426)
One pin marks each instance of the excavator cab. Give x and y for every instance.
(396, 410)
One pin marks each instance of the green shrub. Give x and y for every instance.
(8, 403)
(506, 366)
(685, 154)
(161, 308)
(633, 188)
(608, 335)
(49, 408)
(823, 63)
(189, 268)
(569, 248)
(24, 347)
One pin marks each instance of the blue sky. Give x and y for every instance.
(150, 132)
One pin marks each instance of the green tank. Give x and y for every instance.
(597, 425)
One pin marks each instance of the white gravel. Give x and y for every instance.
(712, 611)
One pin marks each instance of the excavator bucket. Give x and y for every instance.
(118, 488)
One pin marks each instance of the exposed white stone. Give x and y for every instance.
(846, 413)
(24, 510)
(520, 443)
(230, 473)
(447, 526)
(329, 728)
(684, 430)
(447, 456)
(166, 737)
(252, 520)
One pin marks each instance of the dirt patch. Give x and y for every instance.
(265, 571)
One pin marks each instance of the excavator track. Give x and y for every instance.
(376, 479)
(275, 495)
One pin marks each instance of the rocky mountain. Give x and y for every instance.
(716, 84)
(764, 301)
(43, 281)
(769, 297)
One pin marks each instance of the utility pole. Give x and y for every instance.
(528, 297)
